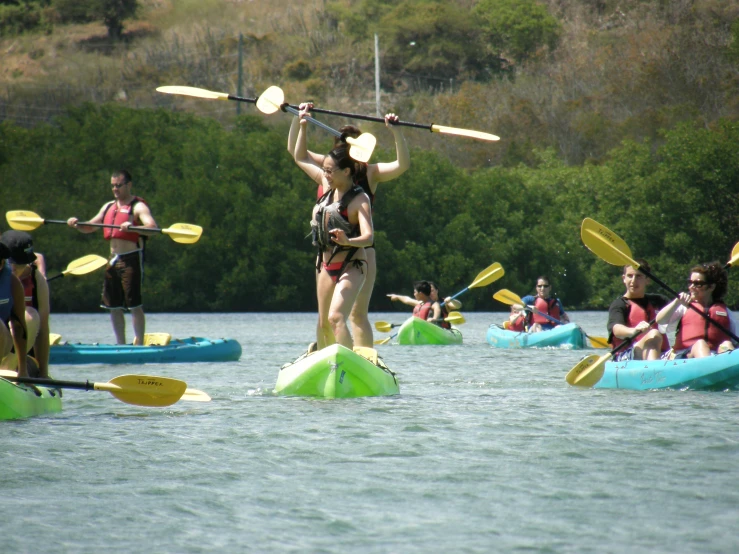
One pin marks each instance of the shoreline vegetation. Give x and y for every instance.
(623, 112)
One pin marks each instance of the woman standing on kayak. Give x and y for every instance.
(342, 229)
(546, 304)
(697, 337)
(368, 177)
(12, 314)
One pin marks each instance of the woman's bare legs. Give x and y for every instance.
(361, 327)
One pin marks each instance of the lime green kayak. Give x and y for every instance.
(418, 331)
(20, 401)
(337, 372)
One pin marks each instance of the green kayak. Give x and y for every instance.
(337, 372)
(20, 401)
(418, 331)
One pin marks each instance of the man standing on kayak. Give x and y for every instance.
(123, 278)
(630, 315)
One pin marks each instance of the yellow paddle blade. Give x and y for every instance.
(455, 318)
(605, 244)
(195, 395)
(507, 297)
(270, 100)
(361, 148)
(23, 220)
(599, 342)
(589, 371)
(383, 341)
(184, 233)
(734, 256)
(383, 326)
(464, 133)
(192, 91)
(488, 275)
(144, 390)
(85, 264)
(54, 338)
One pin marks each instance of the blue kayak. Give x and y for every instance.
(563, 336)
(194, 349)
(714, 372)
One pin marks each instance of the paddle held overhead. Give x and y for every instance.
(210, 95)
(183, 233)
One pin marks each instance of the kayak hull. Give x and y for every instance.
(194, 349)
(719, 372)
(562, 336)
(19, 401)
(335, 372)
(417, 331)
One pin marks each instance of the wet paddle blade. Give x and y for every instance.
(605, 244)
(195, 395)
(23, 220)
(144, 390)
(588, 371)
(464, 133)
(598, 342)
(384, 341)
(734, 256)
(383, 326)
(271, 100)
(455, 318)
(184, 233)
(195, 92)
(507, 297)
(488, 275)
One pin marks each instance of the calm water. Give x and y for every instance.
(484, 451)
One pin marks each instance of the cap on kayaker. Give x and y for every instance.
(20, 246)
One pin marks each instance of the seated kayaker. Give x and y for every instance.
(423, 306)
(633, 314)
(516, 320)
(447, 305)
(36, 292)
(544, 303)
(696, 337)
(12, 316)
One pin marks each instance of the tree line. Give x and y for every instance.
(672, 199)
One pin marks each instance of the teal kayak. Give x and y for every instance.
(562, 336)
(194, 349)
(718, 372)
(20, 401)
(337, 372)
(419, 331)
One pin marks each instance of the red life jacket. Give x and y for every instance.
(422, 310)
(637, 314)
(692, 327)
(444, 315)
(116, 216)
(29, 288)
(518, 324)
(549, 307)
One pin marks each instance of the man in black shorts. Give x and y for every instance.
(122, 285)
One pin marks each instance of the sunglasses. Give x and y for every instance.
(118, 185)
(697, 284)
(542, 286)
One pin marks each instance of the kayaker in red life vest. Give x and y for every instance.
(36, 292)
(122, 285)
(368, 177)
(423, 306)
(12, 314)
(545, 303)
(516, 320)
(630, 315)
(696, 337)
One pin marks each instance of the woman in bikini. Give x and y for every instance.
(342, 229)
(368, 177)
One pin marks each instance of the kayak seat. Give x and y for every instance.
(54, 338)
(157, 339)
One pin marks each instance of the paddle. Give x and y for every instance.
(507, 297)
(139, 390)
(487, 276)
(610, 248)
(184, 233)
(82, 266)
(454, 318)
(210, 95)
